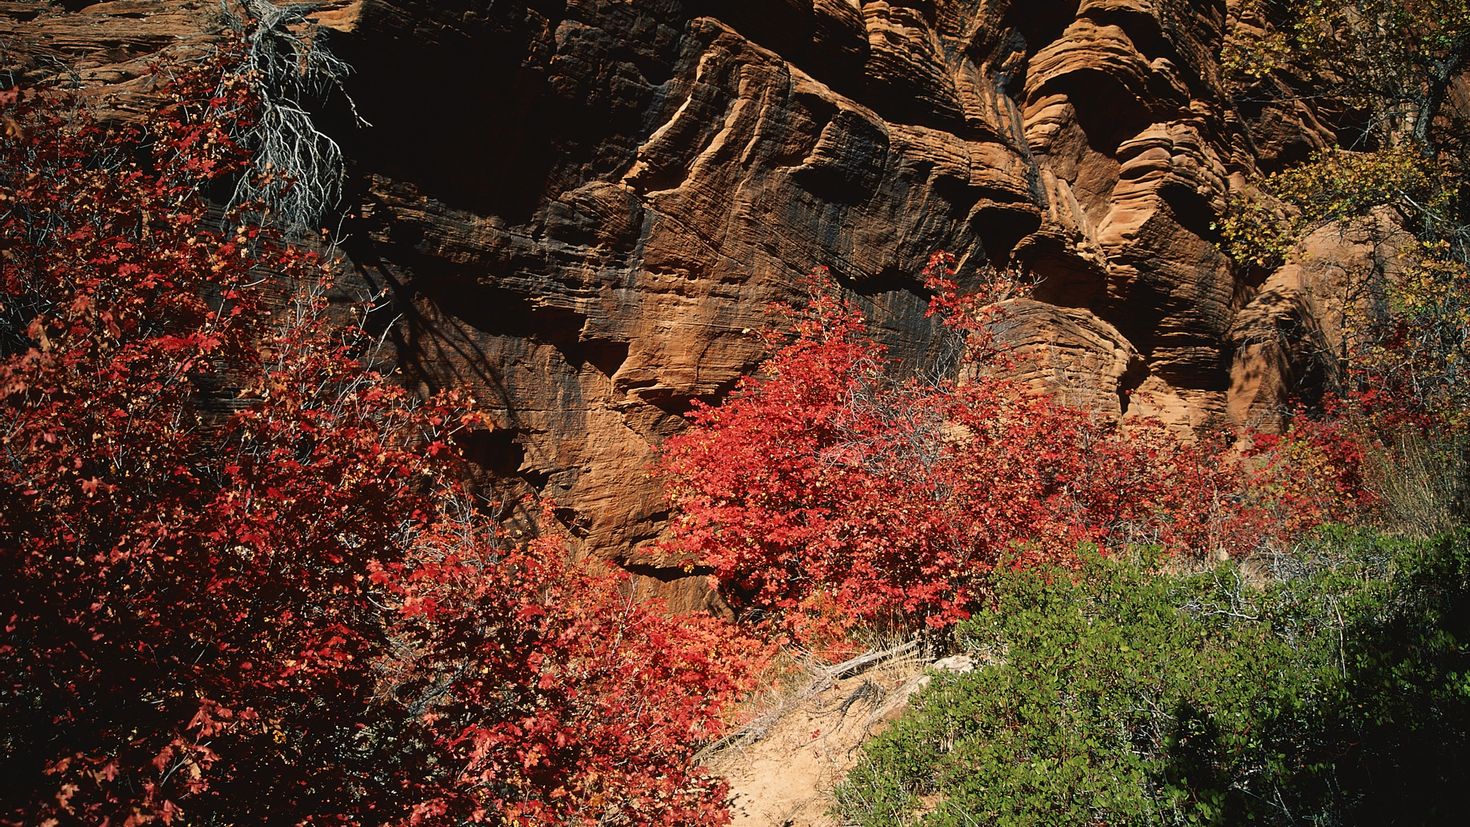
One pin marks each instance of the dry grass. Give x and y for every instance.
(1420, 483)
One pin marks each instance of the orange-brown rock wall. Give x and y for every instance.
(584, 206)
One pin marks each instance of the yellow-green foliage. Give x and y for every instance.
(1409, 330)
(1261, 227)
(1368, 51)
(1253, 51)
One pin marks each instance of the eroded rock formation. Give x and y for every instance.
(585, 206)
(1290, 335)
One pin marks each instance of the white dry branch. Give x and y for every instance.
(820, 678)
(297, 171)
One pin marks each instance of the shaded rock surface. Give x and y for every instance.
(1290, 335)
(584, 206)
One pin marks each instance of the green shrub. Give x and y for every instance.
(1115, 695)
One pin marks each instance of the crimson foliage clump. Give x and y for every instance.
(244, 583)
(828, 495)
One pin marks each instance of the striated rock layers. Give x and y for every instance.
(585, 205)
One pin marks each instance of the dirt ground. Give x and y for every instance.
(800, 748)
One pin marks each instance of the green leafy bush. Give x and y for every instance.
(1335, 694)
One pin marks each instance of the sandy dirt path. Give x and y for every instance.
(807, 743)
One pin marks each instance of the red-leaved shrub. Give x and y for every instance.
(824, 481)
(242, 582)
(551, 695)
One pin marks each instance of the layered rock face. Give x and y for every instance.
(585, 206)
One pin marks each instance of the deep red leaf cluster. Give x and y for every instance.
(243, 582)
(825, 487)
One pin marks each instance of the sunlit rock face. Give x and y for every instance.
(584, 207)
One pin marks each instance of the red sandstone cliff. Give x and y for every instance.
(584, 206)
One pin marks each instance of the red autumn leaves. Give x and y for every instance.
(826, 490)
(240, 558)
(245, 583)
